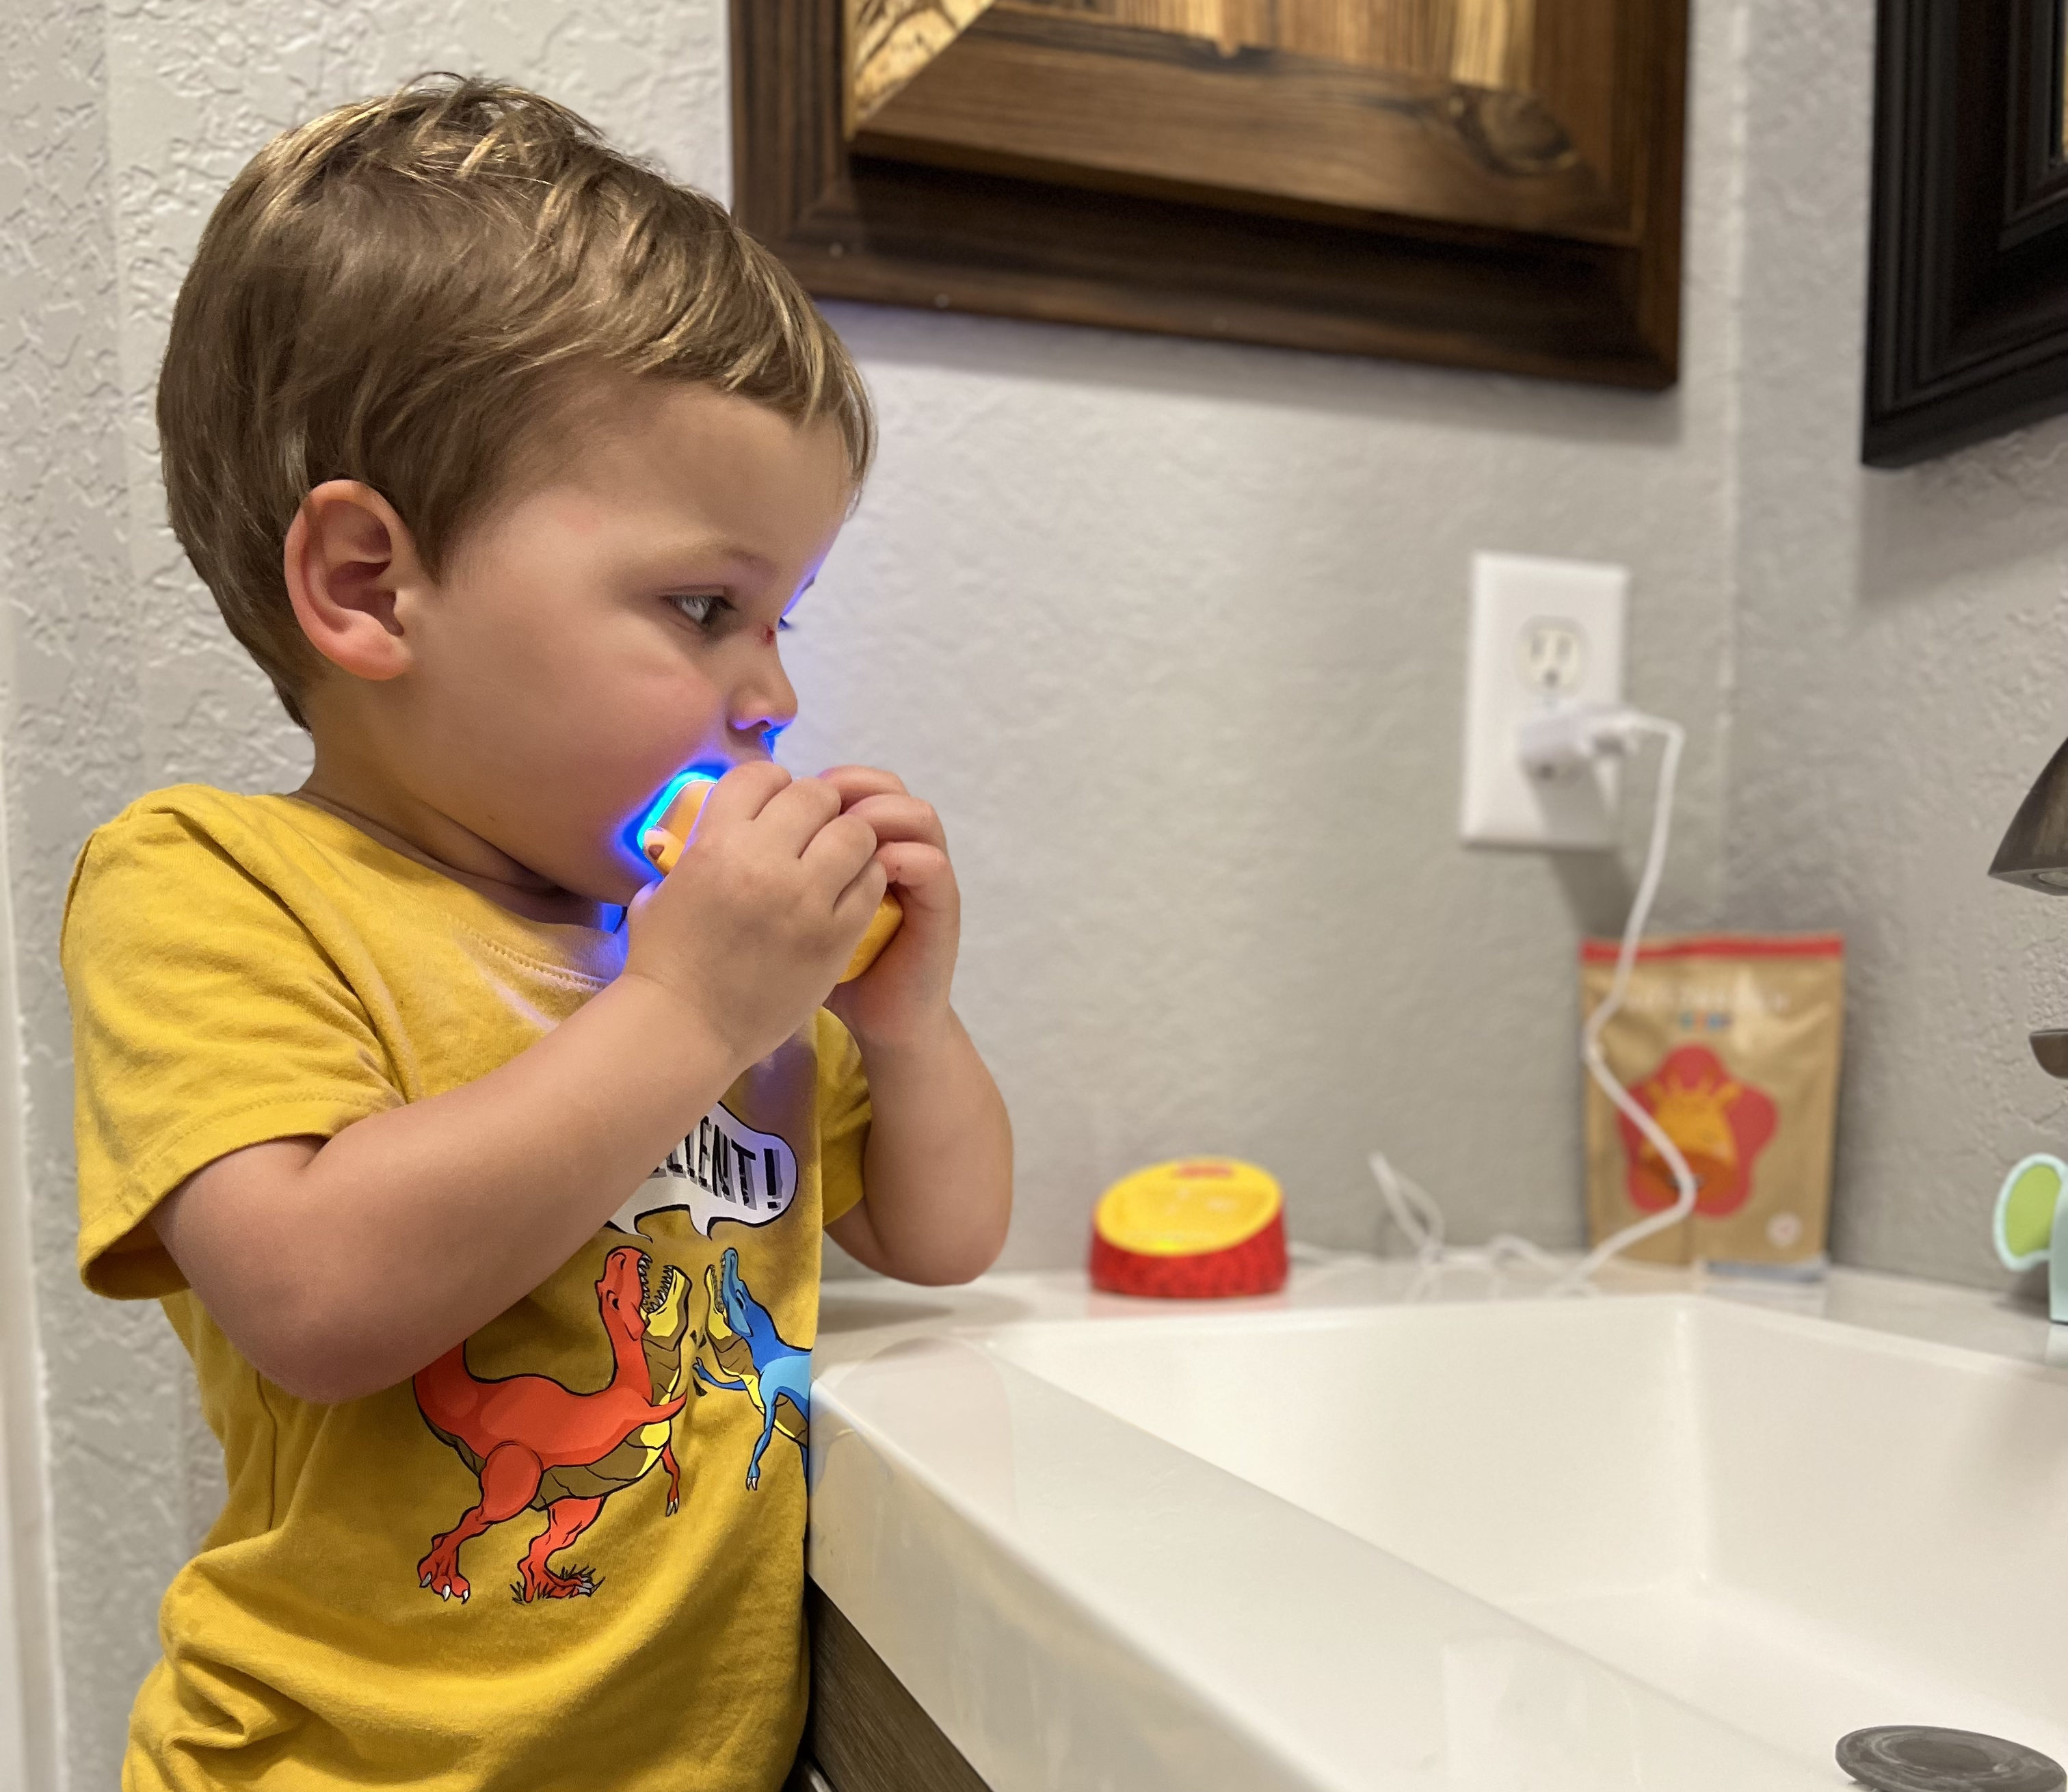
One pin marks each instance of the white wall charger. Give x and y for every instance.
(1564, 743)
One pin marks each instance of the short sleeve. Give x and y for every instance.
(843, 1115)
(204, 1019)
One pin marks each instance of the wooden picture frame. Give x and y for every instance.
(1052, 161)
(1967, 283)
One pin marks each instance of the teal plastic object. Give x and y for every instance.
(2031, 1224)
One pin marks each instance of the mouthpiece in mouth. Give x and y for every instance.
(667, 824)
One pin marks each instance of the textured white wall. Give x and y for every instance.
(1173, 634)
(1901, 671)
(67, 658)
(28, 1631)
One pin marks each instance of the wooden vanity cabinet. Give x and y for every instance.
(865, 1732)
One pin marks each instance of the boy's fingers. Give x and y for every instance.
(837, 853)
(901, 817)
(906, 818)
(855, 782)
(746, 790)
(920, 871)
(863, 896)
(796, 814)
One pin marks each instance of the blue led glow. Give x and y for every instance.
(659, 807)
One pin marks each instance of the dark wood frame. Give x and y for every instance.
(1968, 294)
(908, 232)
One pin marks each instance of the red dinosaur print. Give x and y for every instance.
(534, 1443)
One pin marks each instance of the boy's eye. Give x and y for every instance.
(703, 608)
(711, 613)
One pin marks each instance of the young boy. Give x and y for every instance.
(506, 459)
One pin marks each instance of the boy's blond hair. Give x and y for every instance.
(396, 292)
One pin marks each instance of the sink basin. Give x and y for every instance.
(1795, 1527)
(1677, 1538)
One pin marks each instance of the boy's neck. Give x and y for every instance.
(341, 785)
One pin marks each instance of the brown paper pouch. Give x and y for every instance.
(1731, 1042)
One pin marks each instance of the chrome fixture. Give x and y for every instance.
(2034, 854)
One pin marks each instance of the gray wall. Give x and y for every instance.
(114, 1415)
(1173, 632)
(1902, 677)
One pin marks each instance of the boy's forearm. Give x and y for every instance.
(411, 1229)
(939, 1166)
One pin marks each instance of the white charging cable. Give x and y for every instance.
(1561, 745)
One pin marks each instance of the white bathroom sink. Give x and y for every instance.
(1800, 1527)
(1336, 1541)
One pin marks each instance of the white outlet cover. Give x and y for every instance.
(1546, 634)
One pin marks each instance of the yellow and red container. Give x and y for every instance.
(1195, 1228)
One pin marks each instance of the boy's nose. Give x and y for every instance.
(765, 704)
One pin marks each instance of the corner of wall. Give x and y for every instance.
(31, 1692)
(71, 751)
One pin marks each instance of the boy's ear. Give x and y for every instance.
(347, 558)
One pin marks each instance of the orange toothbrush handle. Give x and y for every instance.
(883, 925)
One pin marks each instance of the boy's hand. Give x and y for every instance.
(903, 997)
(775, 887)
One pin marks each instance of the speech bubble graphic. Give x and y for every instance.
(725, 1170)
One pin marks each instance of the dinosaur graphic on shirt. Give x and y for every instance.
(536, 1444)
(775, 1374)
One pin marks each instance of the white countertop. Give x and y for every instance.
(860, 1316)
(1079, 1604)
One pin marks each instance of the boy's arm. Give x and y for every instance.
(937, 1169)
(340, 1268)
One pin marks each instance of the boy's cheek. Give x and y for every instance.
(567, 750)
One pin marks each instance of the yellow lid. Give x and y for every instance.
(1188, 1207)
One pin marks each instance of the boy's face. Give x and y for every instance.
(617, 622)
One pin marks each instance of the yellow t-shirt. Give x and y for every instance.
(486, 1578)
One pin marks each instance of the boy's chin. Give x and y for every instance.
(619, 879)
(606, 874)
(612, 892)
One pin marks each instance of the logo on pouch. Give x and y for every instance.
(1719, 1122)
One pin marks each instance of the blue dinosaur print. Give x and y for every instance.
(762, 1365)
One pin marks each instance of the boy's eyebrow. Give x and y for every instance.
(693, 563)
(676, 554)
(732, 550)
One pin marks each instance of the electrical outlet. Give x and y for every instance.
(1546, 635)
(1553, 656)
